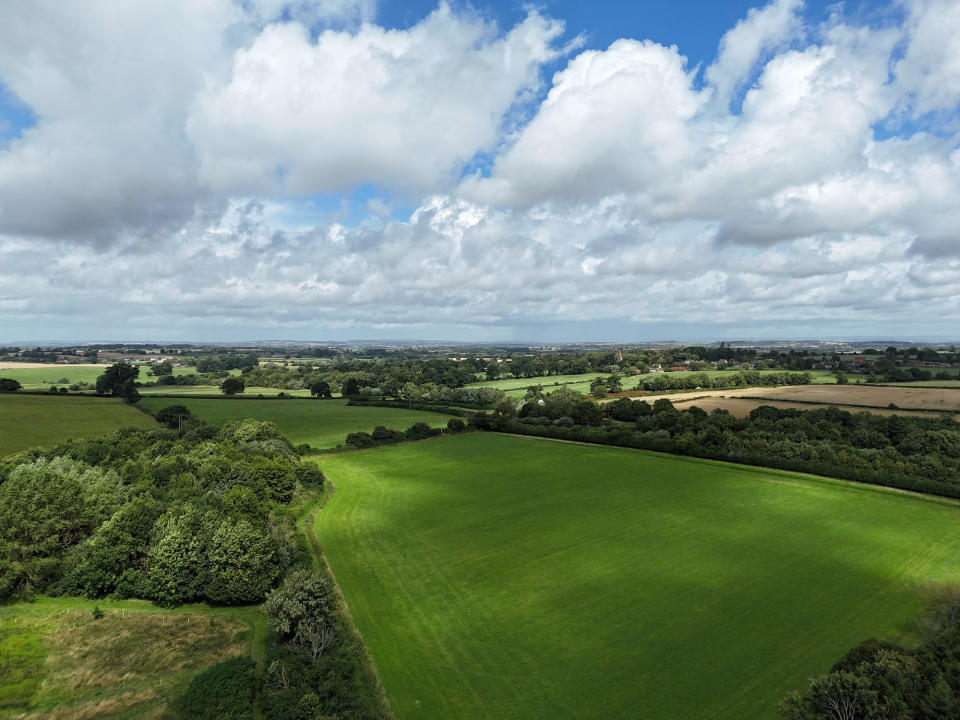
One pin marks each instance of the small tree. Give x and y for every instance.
(173, 416)
(9, 385)
(119, 380)
(232, 386)
(351, 388)
(305, 596)
(321, 389)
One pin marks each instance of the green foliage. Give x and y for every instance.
(222, 692)
(241, 563)
(8, 385)
(46, 507)
(119, 380)
(97, 613)
(304, 596)
(232, 386)
(173, 416)
(882, 680)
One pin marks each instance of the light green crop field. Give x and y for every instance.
(28, 421)
(42, 378)
(319, 423)
(504, 577)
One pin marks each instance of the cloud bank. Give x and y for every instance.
(803, 182)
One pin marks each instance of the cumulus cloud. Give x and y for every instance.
(741, 47)
(631, 192)
(404, 109)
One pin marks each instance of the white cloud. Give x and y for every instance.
(632, 194)
(614, 121)
(405, 109)
(762, 30)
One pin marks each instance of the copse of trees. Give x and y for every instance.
(166, 516)
(884, 680)
(232, 386)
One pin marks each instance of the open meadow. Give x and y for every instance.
(319, 423)
(503, 577)
(58, 662)
(517, 387)
(28, 421)
(741, 406)
(36, 376)
(905, 398)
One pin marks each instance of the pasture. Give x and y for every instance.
(41, 377)
(319, 423)
(504, 577)
(28, 421)
(58, 662)
(517, 387)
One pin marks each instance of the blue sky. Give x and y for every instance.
(336, 169)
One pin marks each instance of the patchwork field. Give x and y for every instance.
(319, 423)
(208, 390)
(504, 577)
(517, 387)
(741, 407)
(28, 421)
(59, 663)
(907, 398)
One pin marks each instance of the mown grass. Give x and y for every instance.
(503, 577)
(58, 662)
(28, 421)
(319, 423)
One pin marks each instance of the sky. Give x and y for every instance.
(236, 170)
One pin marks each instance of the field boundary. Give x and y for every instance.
(765, 469)
(308, 530)
(853, 405)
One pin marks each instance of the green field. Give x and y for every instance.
(43, 378)
(517, 387)
(28, 421)
(59, 663)
(319, 423)
(206, 390)
(504, 577)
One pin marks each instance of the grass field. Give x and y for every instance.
(41, 378)
(206, 390)
(28, 421)
(741, 407)
(58, 663)
(319, 423)
(517, 387)
(503, 577)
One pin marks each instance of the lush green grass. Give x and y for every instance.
(320, 423)
(43, 378)
(28, 421)
(57, 661)
(517, 387)
(503, 577)
(206, 390)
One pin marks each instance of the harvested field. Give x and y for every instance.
(741, 406)
(906, 398)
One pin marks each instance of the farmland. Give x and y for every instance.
(517, 387)
(667, 587)
(39, 420)
(319, 423)
(58, 662)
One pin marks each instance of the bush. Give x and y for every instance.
(221, 692)
(360, 440)
(456, 425)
